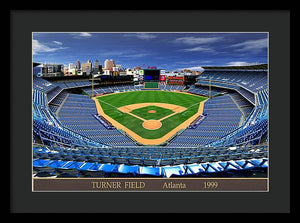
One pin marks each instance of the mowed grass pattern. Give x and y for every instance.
(110, 103)
(159, 112)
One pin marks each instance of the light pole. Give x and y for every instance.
(209, 92)
(92, 84)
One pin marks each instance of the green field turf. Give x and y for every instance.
(110, 103)
(151, 85)
(160, 112)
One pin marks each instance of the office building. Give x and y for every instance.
(86, 67)
(109, 64)
(77, 64)
(52, 70)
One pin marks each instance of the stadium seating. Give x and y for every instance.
(171, 87)
(50, 89)
(73, 84)
(252, 80)
(39, 97)
(128, 87)
(205, 160)
(253, 130)
(222, 117)
(227, 139)
(204, 90)
(50, 130)
(56, 103)
(77, 113)
(42, 85)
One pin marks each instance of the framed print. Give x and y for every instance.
(161, 112)
(149, 107)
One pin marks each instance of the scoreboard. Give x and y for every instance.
(151, 75)
(151, 78)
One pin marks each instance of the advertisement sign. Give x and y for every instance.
(162, 77)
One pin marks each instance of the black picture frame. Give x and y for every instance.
(24, 22)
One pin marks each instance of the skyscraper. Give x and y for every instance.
(100, 69)
(87, 67)
(97, 67)
(109, 64)
(77, 64)
(96, 63)
(71, 66)
(52, 70)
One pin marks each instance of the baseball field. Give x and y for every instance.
(150, 117)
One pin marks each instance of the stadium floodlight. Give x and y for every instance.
(92, 85)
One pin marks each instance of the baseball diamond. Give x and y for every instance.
(129, 111)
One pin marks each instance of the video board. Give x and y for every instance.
(151, 75)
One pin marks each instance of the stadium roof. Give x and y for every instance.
(251, 67)
(36, 64)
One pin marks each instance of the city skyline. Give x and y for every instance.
(170, 51)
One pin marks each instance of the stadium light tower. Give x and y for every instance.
(209, 91)
(92, 84)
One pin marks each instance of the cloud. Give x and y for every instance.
(198, 49)
(241, 63)
(85, 34)
(197, 68)
(81, 35)
(144, 36)
(251, 45)
(58, 43)
(194, 62)
(124, 53)
(38, 47)
(192, 40)
(137, 55)
(202, 42)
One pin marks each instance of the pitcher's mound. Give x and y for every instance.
(152, 124)
(151, 111)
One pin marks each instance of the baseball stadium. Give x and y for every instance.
(215, 126)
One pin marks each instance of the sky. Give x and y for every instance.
(170, 51)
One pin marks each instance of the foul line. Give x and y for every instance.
(108, 104)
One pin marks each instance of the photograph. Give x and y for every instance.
(150, 111)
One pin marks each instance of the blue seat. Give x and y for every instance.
(41, 162)
(120, 160)
(86, 166)
(128, 169)
(151, 171)
(133, 161)
(209, 168)
(107, 159)
(180, 161)
(173, 171)
(245, 164)
(166, 162)
(109, 168)
(149, 162)
(194, 169)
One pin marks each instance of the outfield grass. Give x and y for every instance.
(110, 103)
(151, 85)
